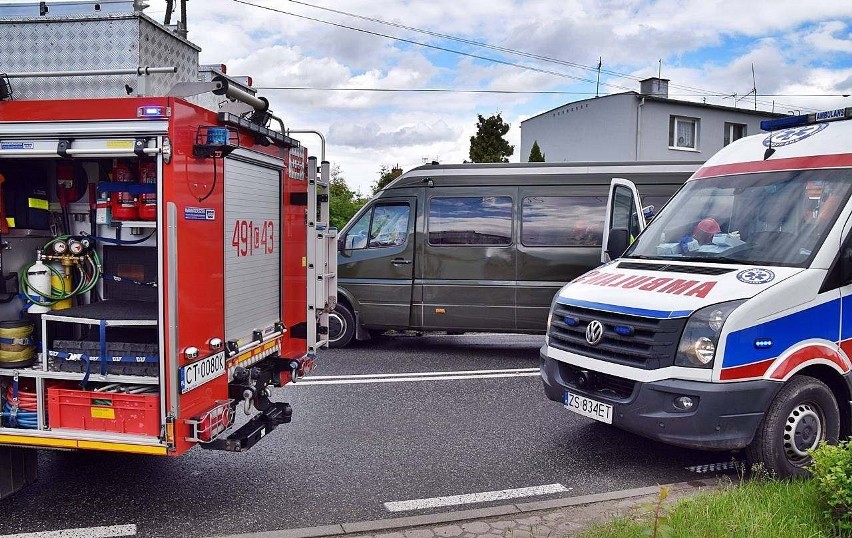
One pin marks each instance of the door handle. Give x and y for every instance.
(400, 261)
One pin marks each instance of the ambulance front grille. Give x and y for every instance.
(652, 344)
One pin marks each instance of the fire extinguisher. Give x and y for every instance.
(148, 201)
(125, 206)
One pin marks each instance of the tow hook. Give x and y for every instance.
(294, 370)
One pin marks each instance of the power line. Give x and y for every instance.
(698, 92)
(422, 90)
(534, 92)
(427, 45)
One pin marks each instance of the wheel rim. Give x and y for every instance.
(336, 327)
(803, 431)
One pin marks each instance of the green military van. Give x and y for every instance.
(483, 247)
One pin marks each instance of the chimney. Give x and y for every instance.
(655, 87)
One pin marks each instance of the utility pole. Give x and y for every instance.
(598, 87)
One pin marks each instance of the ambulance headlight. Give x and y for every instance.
(697, 347)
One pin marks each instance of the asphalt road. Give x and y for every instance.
(356, 444)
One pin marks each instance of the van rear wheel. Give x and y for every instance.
(341, 326)
(803, 414)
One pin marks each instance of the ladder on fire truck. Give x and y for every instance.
(322, 252)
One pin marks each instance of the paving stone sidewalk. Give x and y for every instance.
(556, 518)
(562, 522)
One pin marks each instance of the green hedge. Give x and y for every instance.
(832, 472)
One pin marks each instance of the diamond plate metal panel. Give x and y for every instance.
(159, 47)
(92, 43)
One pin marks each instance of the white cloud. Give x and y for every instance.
(796, 47)
(372, 136)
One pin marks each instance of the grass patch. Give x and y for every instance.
(753, 509)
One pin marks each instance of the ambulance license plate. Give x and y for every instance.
(200, 372)
(588, 407)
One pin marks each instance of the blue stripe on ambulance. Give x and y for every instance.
(821, 322)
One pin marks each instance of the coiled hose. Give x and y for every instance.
(16, 343)
(26, 416)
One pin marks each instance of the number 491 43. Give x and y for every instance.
(252, 238)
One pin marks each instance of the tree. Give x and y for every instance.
(386, 175)
(343, 201)
(488, 145)
(536, 156)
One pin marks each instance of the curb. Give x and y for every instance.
(359, 527)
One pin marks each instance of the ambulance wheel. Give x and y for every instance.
(803, 413)
(341, 326)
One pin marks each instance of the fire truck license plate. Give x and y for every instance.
(588, 407)
(200, 372)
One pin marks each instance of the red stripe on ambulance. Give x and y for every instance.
(839, 160)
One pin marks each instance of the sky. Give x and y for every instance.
(319, 62)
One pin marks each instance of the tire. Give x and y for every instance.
(803, 413)
(341, 327)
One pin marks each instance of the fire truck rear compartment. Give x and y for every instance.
(82, 354)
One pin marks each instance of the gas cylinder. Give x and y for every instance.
(148, 201)
(38, 278)
(125, 206)
(62, 285)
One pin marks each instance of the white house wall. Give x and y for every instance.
(605, 129)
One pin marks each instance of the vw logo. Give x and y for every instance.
(594, 332)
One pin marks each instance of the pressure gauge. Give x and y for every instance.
(75, 247)
(60, 247)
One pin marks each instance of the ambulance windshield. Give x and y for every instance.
(772, 218)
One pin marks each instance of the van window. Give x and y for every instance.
(563, 221)
(470, 220)
(384, 225)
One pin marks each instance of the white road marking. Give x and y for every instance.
(471, 498)
(360, 379)
(87, 532)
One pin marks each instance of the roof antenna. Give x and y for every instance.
(769, 149)
(754, 85)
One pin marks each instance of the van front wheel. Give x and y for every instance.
(803, 413)
(341, 326)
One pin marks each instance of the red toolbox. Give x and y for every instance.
(103, 411)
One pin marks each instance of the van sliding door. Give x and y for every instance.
(469, 259)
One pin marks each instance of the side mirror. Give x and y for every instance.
(619, 240)
(341, 242)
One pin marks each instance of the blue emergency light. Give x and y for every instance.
(153, 112)
(806, 119)
(624, 330)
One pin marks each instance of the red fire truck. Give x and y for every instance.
(164, 264)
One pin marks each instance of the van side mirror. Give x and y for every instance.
(619, 240)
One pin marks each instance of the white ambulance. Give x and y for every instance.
(727, 324)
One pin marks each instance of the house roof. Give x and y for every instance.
(638, 95)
